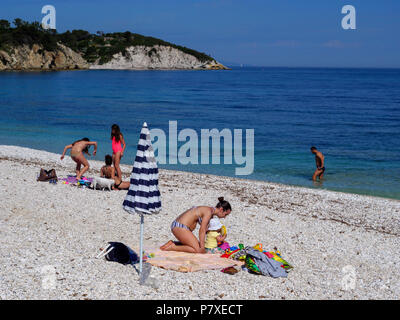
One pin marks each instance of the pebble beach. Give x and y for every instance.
(342, 246)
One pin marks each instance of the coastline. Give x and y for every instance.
(370, 174)
(32, 70)
(126, 170)
(318, 231)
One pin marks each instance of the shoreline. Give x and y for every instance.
(111, 69)
(99, 164)
(44, 158)
(283, 184)
(322, 233)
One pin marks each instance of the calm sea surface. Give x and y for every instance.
(351, 115)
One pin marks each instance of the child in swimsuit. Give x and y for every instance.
(118, 147)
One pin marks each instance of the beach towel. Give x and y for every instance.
(259, 263)
(276, 256)
(72, 180)
(189, 262)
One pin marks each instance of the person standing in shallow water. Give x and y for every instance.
(319, 162)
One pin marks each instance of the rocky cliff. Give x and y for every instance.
(24, 58)
(28, 46)
(35, 58)
(155, 57)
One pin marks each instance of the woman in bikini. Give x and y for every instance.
(77, 149)
(183, 226)
(108, 172)
(118, 146)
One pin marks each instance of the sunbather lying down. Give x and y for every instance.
(183, 226)
(108, 171)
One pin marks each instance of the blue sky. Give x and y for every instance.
(253, 32)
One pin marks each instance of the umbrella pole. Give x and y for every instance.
(141, 243)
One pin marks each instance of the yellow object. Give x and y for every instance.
(276, 257)
(223, 231)
(258, 247)
(211, 239)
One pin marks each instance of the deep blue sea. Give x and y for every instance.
(351, 115)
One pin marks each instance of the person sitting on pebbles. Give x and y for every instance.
(108, 171)
(214, 236)
(183, 226)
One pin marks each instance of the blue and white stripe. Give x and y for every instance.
(143, 195)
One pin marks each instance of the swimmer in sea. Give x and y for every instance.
(319, 161)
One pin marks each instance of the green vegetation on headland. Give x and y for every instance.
(26, 33)
(99, 47)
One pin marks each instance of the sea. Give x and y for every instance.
(351, 115)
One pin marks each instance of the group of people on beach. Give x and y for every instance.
(210, 236)
(111, 169)
(183, 226)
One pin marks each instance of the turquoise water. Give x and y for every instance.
(351, 115)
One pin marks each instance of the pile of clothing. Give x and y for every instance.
(84, 182)
(258, 261)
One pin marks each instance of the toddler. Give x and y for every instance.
(214, 236)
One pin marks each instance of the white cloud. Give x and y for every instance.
(339, 44)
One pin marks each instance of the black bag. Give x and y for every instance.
(121, 253)
(46, 175)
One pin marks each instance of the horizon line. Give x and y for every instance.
(307, 67)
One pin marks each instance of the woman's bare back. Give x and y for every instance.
(108, 172)
(191, 216)
(79, 146)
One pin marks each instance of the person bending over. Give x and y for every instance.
(78, 148)
(182, 227)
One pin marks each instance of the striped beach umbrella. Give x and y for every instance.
(143, 196)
